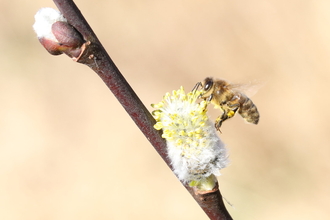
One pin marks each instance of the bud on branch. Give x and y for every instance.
(56, 34)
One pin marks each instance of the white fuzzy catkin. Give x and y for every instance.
(194, 147)
(44, 19)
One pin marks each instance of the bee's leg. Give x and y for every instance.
(196, 87)
(218, 123)
(220, 120)
(231, 113)
(226, 115)
(233, 105)
(209, 98)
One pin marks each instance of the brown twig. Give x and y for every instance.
(95, 56)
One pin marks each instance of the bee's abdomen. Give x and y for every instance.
(249, 111)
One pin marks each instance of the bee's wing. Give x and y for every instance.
(249, 89)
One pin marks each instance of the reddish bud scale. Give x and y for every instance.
(67, 35)
(51, 46)
(69, 40)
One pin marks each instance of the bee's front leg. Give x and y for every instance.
(196, 87)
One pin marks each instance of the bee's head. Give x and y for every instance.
(207, 87)
(207, 84)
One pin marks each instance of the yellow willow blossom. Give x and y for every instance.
(193, 145)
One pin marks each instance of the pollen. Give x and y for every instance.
(193, 145)
(230, 114)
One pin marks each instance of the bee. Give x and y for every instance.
(229, 99)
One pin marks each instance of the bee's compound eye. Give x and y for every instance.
(208, 84)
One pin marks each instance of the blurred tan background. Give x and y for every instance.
(68, 150)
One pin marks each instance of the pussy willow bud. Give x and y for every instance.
(56, 34)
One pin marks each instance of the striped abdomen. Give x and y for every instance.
(248, 110)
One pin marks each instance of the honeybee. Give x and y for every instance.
(229, 99)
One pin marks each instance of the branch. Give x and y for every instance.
(93, 54)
